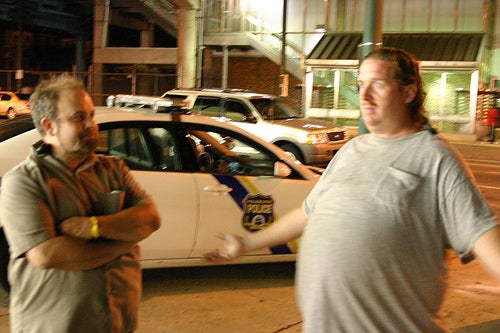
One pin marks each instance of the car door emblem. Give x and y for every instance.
(258, 211)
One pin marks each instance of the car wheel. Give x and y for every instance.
(293, 151)
(11, 113)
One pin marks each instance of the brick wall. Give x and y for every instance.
(254, 73)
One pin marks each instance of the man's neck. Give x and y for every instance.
(411, 128)
(71, 160)
(75, 164)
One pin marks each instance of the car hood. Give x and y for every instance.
(311, 125)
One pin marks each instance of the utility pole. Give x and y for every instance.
(372, 38)
(283, 75)
(19, 55)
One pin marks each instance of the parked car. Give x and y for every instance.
(312, 142)
(204, 175)
(11, 105)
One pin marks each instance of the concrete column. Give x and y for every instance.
(80, 55)
(147, 37)
(101, 22)
(186, 46)
(144, 84)
(372, 38)
(225, 65)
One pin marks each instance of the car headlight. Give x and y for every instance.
(315, 138)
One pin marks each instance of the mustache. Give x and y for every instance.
(91, 132)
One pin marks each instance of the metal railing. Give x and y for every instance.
(151, 84)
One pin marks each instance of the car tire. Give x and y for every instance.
(11, 113)
(293, 151)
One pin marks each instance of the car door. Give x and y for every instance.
(147, 149)
(240, 193)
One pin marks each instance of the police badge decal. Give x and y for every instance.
(258, 212)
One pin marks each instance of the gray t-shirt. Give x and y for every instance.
(37, 195)
(372, 256)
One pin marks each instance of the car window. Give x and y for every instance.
(237, 111)
(208, 106)
(141, 148)
(222, 154)
(186, 147)
(274, 109)
(264, 106)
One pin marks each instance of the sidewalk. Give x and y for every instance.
(468, 145)
(472, 149)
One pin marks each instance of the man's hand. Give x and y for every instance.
(233, 247)
(78, 227)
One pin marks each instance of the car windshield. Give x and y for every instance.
(274, 109)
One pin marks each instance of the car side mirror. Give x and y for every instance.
(281, 170)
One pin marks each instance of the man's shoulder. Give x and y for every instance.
(26, 166)
(435, 149)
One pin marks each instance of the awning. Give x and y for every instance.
(460, 50)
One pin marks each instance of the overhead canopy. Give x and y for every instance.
(461, 50)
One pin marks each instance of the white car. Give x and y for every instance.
(311, 141)
(11, 105)
(205, 176)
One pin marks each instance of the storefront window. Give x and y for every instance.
(447, 102)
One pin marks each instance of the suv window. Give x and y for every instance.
(208, 106)
(237, 111)
(274, 109)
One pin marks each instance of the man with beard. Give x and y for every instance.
(73, 220)
(376, 226)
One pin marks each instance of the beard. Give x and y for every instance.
(84, 146)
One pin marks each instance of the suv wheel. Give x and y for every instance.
(293, 151)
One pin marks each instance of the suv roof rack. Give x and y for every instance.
(149, 103)
(220, 90)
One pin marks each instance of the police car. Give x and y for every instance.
(205, 176)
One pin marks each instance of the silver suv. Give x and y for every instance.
(310, 141)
